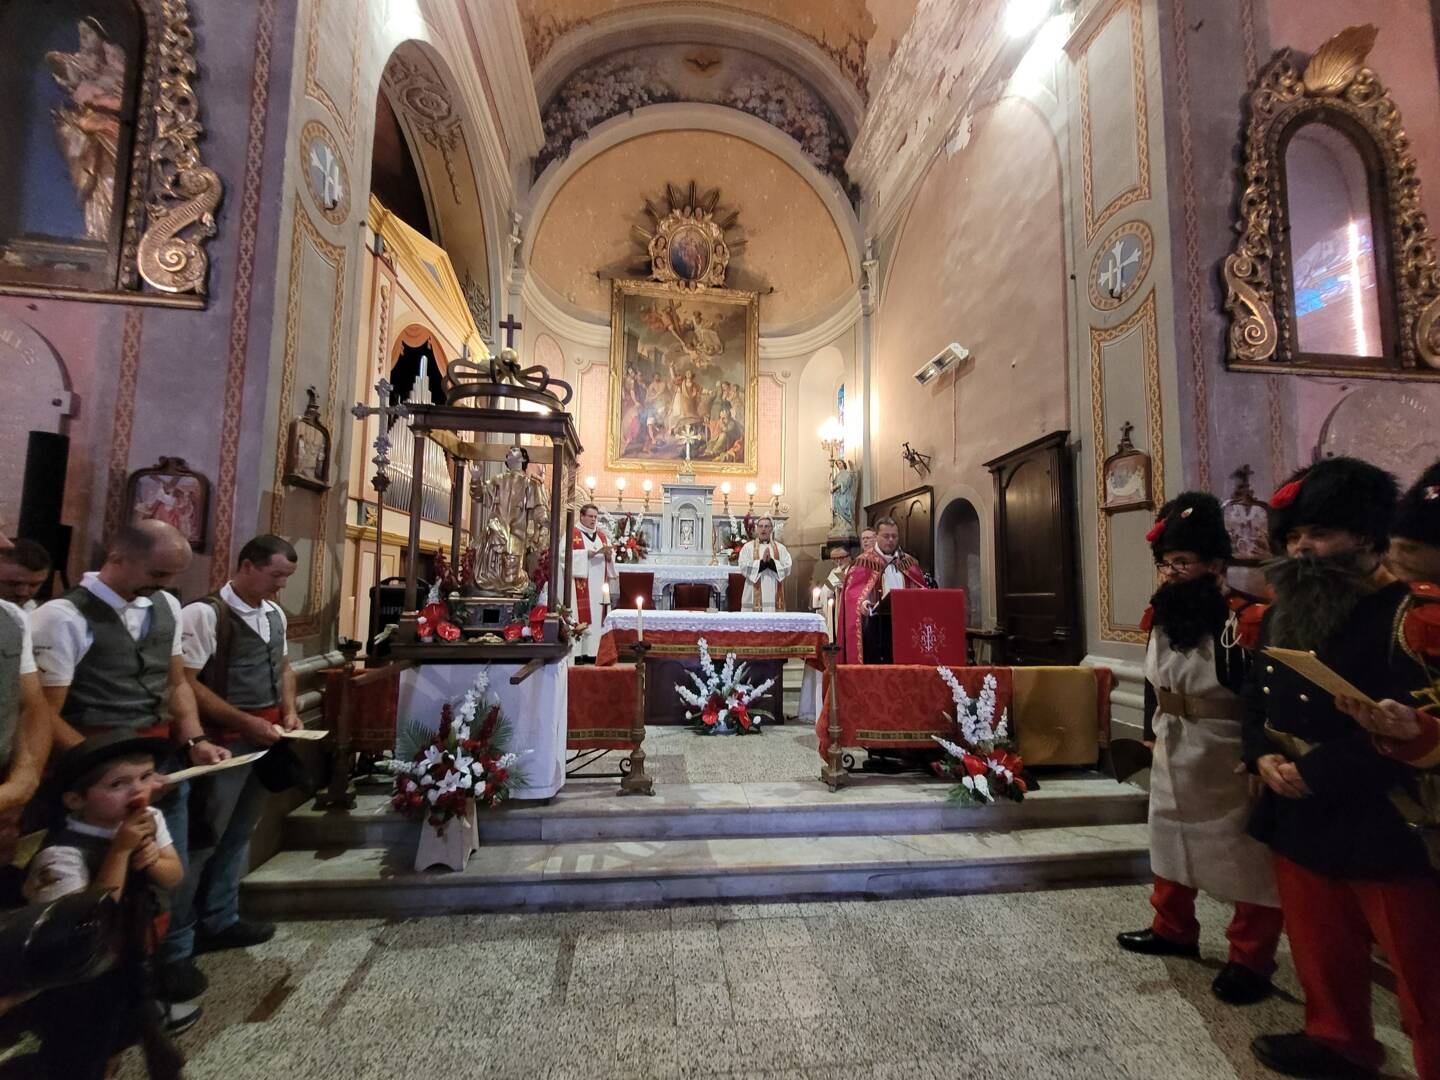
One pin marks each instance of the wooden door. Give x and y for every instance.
(1036, 559)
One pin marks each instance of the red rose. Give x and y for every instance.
(1155, 531)
(449, 631)
(1285, 495)
(513, 631)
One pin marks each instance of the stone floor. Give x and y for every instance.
(1014, 986)
(674, 754)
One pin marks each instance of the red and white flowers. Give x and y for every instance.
(440, 774)
(722, 703)
(983, 763)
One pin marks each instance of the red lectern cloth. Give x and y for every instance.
(899, 706)
(927, 626)
(601, 708)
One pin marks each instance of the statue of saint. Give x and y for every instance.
(517, 524)
(88, 128)
(842, 499)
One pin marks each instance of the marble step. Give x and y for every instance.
(590, 810)
(372, 881)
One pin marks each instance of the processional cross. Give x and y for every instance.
(388, 413)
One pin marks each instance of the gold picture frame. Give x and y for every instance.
(679, 360)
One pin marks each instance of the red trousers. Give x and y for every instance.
(1332, 922)
(1254, 932)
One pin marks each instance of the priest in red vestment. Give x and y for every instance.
(870, 578)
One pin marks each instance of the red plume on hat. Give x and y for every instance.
(1156, 531)
(1285, 495)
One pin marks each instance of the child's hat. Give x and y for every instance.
(81, 760)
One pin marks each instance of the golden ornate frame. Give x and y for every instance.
(1335, 85)
(171, 195)
(750, 300)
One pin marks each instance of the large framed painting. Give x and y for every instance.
(684, 378)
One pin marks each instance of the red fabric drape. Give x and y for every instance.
(899, 706)
(602, 708)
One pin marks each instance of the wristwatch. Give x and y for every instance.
(190, 744)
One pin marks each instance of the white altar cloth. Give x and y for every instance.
(798, 622)
(535, 712)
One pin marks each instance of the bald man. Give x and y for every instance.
(110, 658)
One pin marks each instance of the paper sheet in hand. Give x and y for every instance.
(205, 770)
(305, 733)
(1318, 673)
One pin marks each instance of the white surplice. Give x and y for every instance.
(588, 563)
(764, 589)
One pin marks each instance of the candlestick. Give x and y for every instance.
(639, 618)
(647, 486)
(620, 491)
(590, 484)
(725, 494)
(830, 617)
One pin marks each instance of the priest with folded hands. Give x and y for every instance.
(766, 564)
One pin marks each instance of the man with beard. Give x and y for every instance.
(1200, 798)
(1348, 867)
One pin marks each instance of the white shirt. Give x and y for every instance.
(29, 606)
(27, 648)
(891, 578)
(59, 871)
(62, 637)
(198, 624)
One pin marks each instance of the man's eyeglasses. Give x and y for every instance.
(1176, 566)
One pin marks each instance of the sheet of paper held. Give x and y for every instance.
(206, 770)
(309, 734)
(1318, 673)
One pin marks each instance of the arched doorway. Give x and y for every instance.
(958, 563)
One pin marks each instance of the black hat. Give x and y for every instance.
(1191, 521)
(80, 761)
(1337, 493)
(1418, 517)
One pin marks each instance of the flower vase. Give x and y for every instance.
(451, 845)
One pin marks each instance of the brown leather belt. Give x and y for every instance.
(1199, 708)
(1295, 747)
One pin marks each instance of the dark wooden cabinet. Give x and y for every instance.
(914, 512)
(1037, 562)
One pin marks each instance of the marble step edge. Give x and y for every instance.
(311, 884)
(638, 818)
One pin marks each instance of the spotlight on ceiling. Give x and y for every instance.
(1023, 16)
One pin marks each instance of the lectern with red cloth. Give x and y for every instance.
(927, 626)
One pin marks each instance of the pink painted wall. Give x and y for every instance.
(980, 260)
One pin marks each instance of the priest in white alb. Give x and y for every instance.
(765, 564)
(592, 564)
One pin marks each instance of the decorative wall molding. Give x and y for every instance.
(346, 121)
(124, 423)
(1144, 322)
(1078, 47)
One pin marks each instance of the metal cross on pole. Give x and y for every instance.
(381, 480)
(509, 325)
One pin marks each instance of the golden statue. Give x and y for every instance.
(88, 128)
(517, 524)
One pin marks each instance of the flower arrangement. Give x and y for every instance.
(440, 774)
(625, 537)
(720, 704)
(741, 532)
(984, 763)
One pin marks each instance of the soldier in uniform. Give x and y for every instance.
(1200, 797)
(1348, 866)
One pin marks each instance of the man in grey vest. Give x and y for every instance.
(24, 720)
(235, 660)
(110, 659)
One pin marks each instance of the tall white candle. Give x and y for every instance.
(639, 618)
(815, 598)
(605, 593)
(830, 617)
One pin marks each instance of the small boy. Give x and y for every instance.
(114, 840)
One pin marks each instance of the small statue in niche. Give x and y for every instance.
(517, 525)
(842, 499)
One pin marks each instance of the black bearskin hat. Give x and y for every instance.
(1338, 493)
(1190, 522)
(1418, 518)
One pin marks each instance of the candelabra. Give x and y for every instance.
(590, 489)
(832, 439)
(725, 495)
(775, 490)
(647, 487)
(620, 493)
(750, 490)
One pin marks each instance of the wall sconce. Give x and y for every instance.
(647, 486)
(590, 488)
(620, 491)
(750, 490)
(832, 438)
(725, 494)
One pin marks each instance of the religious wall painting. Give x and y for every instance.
(684, 378)
(660, 74)
(172, 492)
(105, 190)
(307, 453)
(1126, 476)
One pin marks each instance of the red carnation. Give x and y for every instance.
(1155, 531)
(1285, 495)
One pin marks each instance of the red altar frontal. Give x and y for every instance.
(777, 635)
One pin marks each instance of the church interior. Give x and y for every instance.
(510, 408)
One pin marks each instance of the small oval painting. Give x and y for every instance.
(689, 254)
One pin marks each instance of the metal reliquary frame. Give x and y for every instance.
(1338, 90)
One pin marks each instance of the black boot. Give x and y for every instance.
(1150, 943)
(1239, 985)
(1297, 1054)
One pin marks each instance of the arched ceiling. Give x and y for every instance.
(793, 244)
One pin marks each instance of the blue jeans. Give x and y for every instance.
(175, 809)
(225, 808)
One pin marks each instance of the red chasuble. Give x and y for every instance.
(864, 582)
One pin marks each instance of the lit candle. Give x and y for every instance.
(775, 490)
(830, 617)
(815, 598)
(590, 483)
(639, 618)
(646, 486)
(750, 488)
(605, 593)
(620, 483)
(725, 488)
